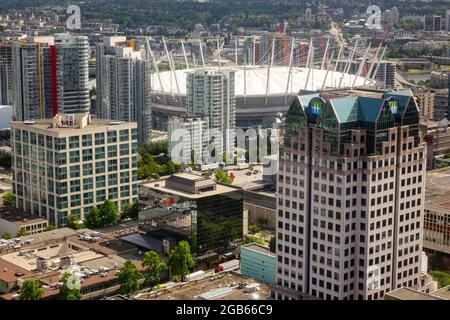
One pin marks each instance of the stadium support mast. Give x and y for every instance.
(348, 63)
(291, 61)
(328, 69)
(245, 82)
(379, 62)
(268, 71)
(194, 61)
(201, 53)
(253, 51)
(184, 54)
(337, 61)
(361, 65)
(218, 52)
(172, 68)
(308, 62)
(325, 54)
(374, 58)
(235, 51)
(155, 65)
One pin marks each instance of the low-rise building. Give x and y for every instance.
(13, 221)
(437, 212)
(258, 262)
(46, 256)
(66, 165)
(189, 207)
(223, 286)
(411, 294)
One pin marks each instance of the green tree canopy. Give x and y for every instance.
(21, 233)
(66, 293)
(31, 290)
(272, 244)
(222, 176)
(6, 236)
(131, 210)
(153, 268)
(92, 219)
(180, 260)
(109, 214)
(253, 239)
(128, 278)
(74, 222)
(443, 278)
(50, 227)
(8, 199)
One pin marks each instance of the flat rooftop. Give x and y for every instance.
(259, 248)
(19, 217)
(411, 294)
(224, 287)
(184, 185)
(61, 126)
(438, 190)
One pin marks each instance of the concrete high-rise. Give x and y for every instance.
(72, 68)
(5, 74)
(386, 74)
(188, 138)
(211, 94)
(66, 165)
(280, 43)
(33, 82)
(351, 188)
(123, 84)
(50, 75)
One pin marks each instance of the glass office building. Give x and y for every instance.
(193, 208)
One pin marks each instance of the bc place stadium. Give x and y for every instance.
(264, 91)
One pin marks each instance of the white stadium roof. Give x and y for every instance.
(256, 80)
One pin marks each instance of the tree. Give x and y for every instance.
(253, 239)
(8, 199)
(92, 219)
(66, 293)
(74, 222)
(153, 268)
(50, 227)
(109, 214)
(128, 278)
(442, 165)
(131, 210)
(6, 236)
(443, 278)
(31, 290)
(181, 260)
(21, 233)
(222, 176)
(273, 244)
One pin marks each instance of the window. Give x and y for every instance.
(99, 138)
(75, 171)
(87, 169)
(112, 136)
(74, 156)
(112, 151)
(124, 149)
(100, 153)
(86, 140)
(124, 135)
(87, 155)
(74, 142)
